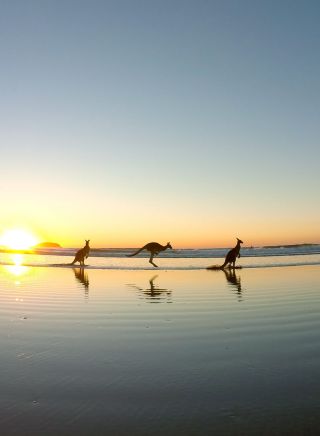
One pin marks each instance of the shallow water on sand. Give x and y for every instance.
(96, 352)
(163, 263)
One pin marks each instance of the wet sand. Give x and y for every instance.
(96, 352)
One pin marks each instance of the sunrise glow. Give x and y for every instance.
(18, 239)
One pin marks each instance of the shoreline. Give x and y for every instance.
(142, 266)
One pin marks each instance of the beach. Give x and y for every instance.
(159, 231)
(93, 351)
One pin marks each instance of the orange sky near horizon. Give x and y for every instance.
(68, 216)
(194, 230)
(183, 236)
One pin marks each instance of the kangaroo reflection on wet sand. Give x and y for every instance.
(82, 276)
(234, 280)
(154, 294)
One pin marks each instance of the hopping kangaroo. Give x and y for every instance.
(82, 254)
(232, 255)
(154, 248)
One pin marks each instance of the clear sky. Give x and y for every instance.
(193, 122)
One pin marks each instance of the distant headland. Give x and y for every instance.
(290, 245)
(48, 245)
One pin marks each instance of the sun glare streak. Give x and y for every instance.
(17, 269)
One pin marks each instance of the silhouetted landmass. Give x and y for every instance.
(290, 245)
(47, 245)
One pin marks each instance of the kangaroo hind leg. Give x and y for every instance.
(151, 260)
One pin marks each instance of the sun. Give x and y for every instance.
(18, 239)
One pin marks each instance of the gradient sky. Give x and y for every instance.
(186, 121)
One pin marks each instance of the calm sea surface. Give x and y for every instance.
(115, 258)
(163, 352)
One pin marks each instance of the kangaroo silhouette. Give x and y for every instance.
(82, 254)
(232, 255)
(154, 248)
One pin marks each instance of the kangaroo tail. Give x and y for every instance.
(136, 252)
(74, 261)
(225, 263)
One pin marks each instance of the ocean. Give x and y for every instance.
(116, 258)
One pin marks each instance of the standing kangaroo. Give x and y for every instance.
(82, 254)
(154, 248)
(232, 255)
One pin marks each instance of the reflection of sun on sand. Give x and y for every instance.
(17, 269)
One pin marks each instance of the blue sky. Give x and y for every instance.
(189, 121)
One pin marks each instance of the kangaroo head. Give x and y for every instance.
(239, 240)
(169, 245)
(87, 241)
